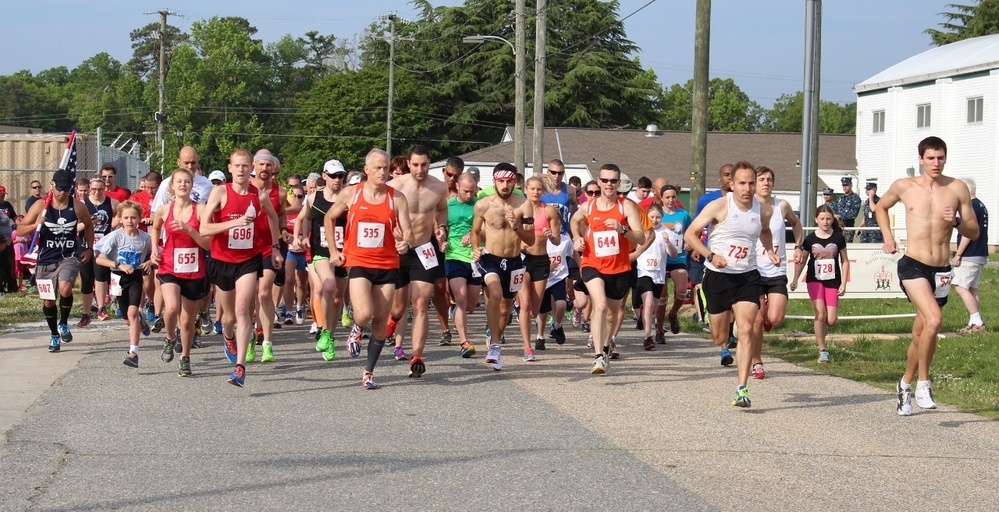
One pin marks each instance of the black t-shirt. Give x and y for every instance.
(822, 250)
(979, 247)
(8, 209)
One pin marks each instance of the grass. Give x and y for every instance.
(964, 372)
(23, 307)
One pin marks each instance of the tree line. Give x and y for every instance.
(314, 97)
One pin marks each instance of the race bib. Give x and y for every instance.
(98, 237)
(322, 238)
(650, 263)
(605, 244)
(475, 270)
(337, 236)
(46, 290)
(115, 286)
(185, 260)
(427, 255)
(825, 269)
(942, 281)
(738, 256)
(370, 235)
(517, 280)
(241, 237)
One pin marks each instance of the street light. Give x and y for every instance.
(519, 122)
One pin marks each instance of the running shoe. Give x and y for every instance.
(451, 311)
(289, 319)
(353, 347)
(649, 344)
(767, 326)
(390, 327)
(64, 335)
(54, 344)
(639, 323)
(167, 354)
(493, 357)
(346, 317)
(742, 397)
(102, 314)
(300, 316)
(196, 343)
(904, 407)
(539, 344)
(354, 336)
(559, 335)
(218, 327)
(117, 310)
(268, 355)
(577, 316)
(185, 367)
(824, 356)
(467, 350)
(660, 338)
(445, 338)
(325, 338)
(258, 336)
(586, 326)
(726, 357)
(529, 356)
(732, 342)
(251, 352)
(368, 381)
(330, 353)
(238, 377)
(206, 322)
(84, 321)
(366, 333)
(972, 329)
(674, 323)
(277, 322)
(157, 324)
(229, 348)
(150, 311)
(758, 372)
(589, 342)
(614, 354)
(924, 397)
(314, 329)
(177, 346)
(400, 353)
(417, 367)
(131, 359)
(93, 306)
(599, 365)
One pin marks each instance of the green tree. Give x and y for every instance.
(729, 108)
(146, 48)
(787, 115)
(966, 21)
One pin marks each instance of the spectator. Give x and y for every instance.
(968, 262)
(36, 194)
(870, 221)
(8, 280)
(108, 175)
(847, 207)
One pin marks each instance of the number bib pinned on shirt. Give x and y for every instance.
(517, 280)
(370, 235)
(337, 237)
(46, 289)
(649, 263)
(114, 288)
(825, 269)
(606, 244)
(241, 237)
(942, 281)
(185, 260)
(427, 255)
(737, 257)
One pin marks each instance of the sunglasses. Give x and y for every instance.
(612, 181)
(63, 189)
(592, 192)
(300, 196)
(107, 177)
(556, 173)
(36, 187)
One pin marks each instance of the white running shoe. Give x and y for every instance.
(493, 357)
(924, 397)
(599, 365)
(904, 400)
(314, 328)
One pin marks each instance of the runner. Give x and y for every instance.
(125, 251)
(108, 175)
(536, 263)
(423, 266)
(87, 305)
(773, 301)
(599, 231)
(828, 266)
(675, 221)
(181, 266)
(932, 205)
(230, 220)
(102, 210)
(56, 218)
(266, 168)
(651, 270)
(296, 279)
(505, 219)
(555, 298)
(378, 231)
(464, 279)
(731, 281)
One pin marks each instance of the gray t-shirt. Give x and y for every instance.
(123, 249)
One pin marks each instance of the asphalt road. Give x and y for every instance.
(84, 432)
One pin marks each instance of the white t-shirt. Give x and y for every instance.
(652, 262)
(559, 255)
(199, 193)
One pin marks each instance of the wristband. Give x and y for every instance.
(276, 246)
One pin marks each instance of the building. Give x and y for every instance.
(948, 91)
(654, 153)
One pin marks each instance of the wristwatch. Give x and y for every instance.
(624, 229)
(710, 258)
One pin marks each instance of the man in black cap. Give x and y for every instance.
(870, 221)
(847, 207)
(827, 197)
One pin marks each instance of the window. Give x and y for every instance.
(923, 116)
(879, 122)
(975, 109)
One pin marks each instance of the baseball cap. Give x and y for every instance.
(826, 191)
(354, 179)
(871, 186)
(333, 167)
(846, 180)
(474, 171)
(62, 178)
(625, 185)
(217, 175)
(3, 190)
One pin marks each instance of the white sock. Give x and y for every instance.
(904, 385)
(557, 324)
(269, 344)
(922, 384)
(976, 319)
(133, 349)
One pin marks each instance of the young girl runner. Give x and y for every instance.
(652, 272)
(828, 267)
(126, 252)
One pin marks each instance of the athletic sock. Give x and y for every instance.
(374, 350)
(65, 306)
(133, 349)
(50, 318)
(976, 319)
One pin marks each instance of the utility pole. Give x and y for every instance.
(160, 115)
(699, 123)
(540, 51)
(520, 123)
(391, 92)
(809, 125)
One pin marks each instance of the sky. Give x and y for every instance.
(757, 43)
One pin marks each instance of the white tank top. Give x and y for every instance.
(652, 262)
(779, 233)
(735, 238)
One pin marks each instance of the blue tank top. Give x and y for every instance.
(560, 200)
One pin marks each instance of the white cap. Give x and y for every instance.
(332, 167)
(217, 175)
(354, 180)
